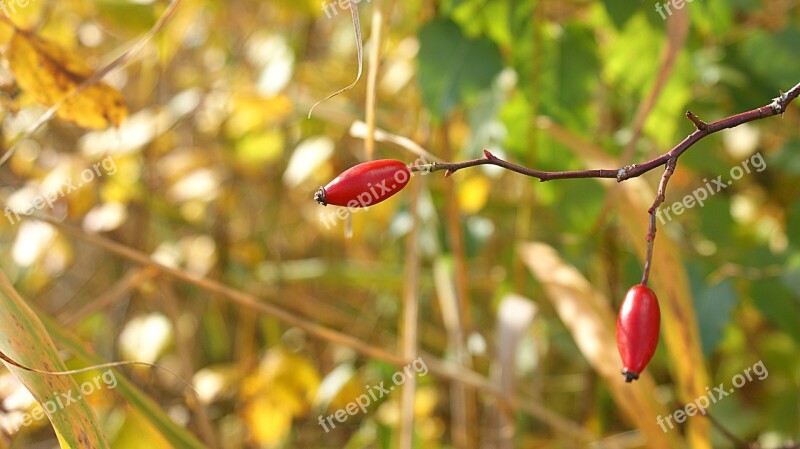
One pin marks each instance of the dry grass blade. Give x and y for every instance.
(359, 50)
(590, 320)
(25, 342)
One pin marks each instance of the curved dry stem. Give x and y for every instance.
(360, 54)
(13, 362)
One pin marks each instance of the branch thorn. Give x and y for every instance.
(699, 124)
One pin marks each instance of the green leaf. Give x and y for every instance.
(632, 61)
(778, 305)
(786, 158)
(620, 11)
(453, 67)
(793, 224)
(714, 304)
(569, 76)
(773, 56)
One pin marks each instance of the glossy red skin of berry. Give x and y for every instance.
(365, 184)
(638, 327)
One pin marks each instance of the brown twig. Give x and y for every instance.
(651, 233)
(445, 370)
(777, 106)
(701, 125)
(668, 159)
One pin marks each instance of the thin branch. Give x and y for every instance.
(668, 159)
(490, 159)
(776, 107)
(441, 368)
(651, 233)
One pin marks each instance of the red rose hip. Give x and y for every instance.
(365, 184)
(638, 326)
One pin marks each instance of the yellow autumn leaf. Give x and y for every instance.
(268, 421)
(51, 74)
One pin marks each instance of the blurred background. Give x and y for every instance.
(507, 288)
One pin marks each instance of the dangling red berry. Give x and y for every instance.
(365, 184)
(638, 327)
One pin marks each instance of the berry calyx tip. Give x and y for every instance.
(319, 196)
(630, 376)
